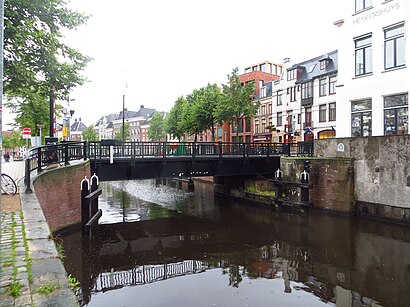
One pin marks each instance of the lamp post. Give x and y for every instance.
(40, 126)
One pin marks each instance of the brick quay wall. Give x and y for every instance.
(59, 194)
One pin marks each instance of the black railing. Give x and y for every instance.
(136, 150)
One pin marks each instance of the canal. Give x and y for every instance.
(160, 246)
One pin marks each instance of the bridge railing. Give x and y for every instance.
(136, 150)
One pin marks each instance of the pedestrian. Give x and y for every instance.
(7, 157)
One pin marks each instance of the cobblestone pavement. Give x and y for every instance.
(29, 260)
(14, 267)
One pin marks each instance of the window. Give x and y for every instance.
(247, 124)
(254, 68)
(308, 117)
(307, 90)
(291, 74)
(332, 85)
(299, 118)
(270, 109)
(263, 67)
(396, 115)
(263, 110)
(332, 111)
(248, 70)
(394, 47)
(363, 4)
(256, 126)
(362, 117)
(240, 127)
(279, 99)
(263, 124)
(290, 120)
(323, 86)
(262, 92)
(323, 64)
(279, 119)
(364, 56)
(292, 91)
(322, 113)
(311, 68)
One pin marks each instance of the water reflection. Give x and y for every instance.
(232, 254)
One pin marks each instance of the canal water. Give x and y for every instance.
(160, 246)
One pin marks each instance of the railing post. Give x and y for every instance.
(27, 177)
(85, 151)
(39, 159)
(94, 186)
(220, 150)
(164, 150)
(66, 158)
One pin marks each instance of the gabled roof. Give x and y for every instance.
(78, 125)
(311, 68)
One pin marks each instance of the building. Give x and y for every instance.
(302, 104)
(261, 74)
(76, 130)
(373, 80)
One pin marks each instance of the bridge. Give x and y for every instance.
(116, 160)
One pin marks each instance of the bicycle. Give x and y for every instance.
(8, 185)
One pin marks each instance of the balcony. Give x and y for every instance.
(307, 101)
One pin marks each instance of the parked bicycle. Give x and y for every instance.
(8, 185)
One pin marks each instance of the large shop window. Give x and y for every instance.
(396, 115)
(394, 47)
(362, 117)
(363, 55)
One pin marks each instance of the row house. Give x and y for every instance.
(138, 122)
(373, 81)
(260, 73)
(301, 105)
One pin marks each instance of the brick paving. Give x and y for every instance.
(28, 258)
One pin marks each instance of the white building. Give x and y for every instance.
(374, 76)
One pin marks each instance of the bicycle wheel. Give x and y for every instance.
(8, 185)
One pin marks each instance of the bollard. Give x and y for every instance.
(94, 186)
(279, 187)
(85, 210)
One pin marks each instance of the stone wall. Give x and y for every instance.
(59, 194)
(382, 173)
(331, 179)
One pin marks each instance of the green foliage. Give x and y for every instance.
(237, 102)
(48, 288)
(73, 282)
(89, 134)
(14, 289)
(36, 59)
(157, 129)
(127, 134)
(12, 141)
(174, 125)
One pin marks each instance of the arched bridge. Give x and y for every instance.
(114, 160)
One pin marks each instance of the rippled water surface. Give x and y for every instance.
(160, 246)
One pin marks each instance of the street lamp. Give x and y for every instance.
(40, 126)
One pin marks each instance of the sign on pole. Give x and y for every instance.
(26, 133)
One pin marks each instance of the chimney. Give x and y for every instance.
(142, 106)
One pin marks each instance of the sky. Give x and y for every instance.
(165, 49)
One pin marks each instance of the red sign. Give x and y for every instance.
(26, 131)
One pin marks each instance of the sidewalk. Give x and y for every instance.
(29, 263)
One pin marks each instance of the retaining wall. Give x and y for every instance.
(382, 173)
(59, 194)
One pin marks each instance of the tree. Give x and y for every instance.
(89, 134)
(12, 141)
(127, 134)
(174, 119)
(36, 59)
(211, 99)
(237, 102)
(156, 130)
(192, 122)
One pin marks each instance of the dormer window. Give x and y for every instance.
(324, 63)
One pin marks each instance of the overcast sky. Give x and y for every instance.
(164, 49)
